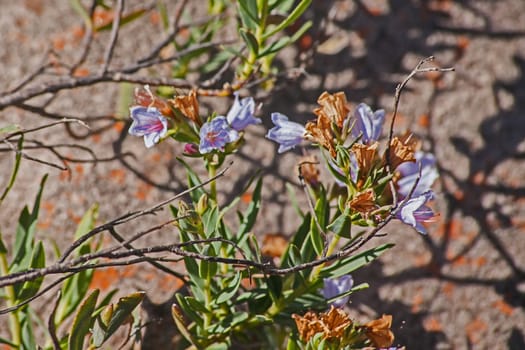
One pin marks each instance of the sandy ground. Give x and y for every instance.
(460, 287)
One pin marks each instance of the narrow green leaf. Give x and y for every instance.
(275, 287)
(7, 342)
(275, 46)
(210, 221)
(25, 233)
(208, 269)
(82, 322)
(342, 224)
(193, 180)
(75, 288)
(188, 310)
(27, 336)
(9, 128)
(197, 305)
(250, 41)
(248, 13)
(128, 18)
(121, 312)
(352, 263)
(231, 288)
(14, 172)
(292, 17)
(3, 248)
(30, 288)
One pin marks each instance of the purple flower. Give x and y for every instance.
(337, 286)
(414, 212)
(286, 133)
(148, 122)
(241, 114)
(410, 170)
(368, 124)
(216, 134)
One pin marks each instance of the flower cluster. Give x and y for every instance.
(155, 118)
(350, 141)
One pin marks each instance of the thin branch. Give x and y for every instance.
(51, 323)
(171, 35)
(399, 89)
(133, 215)
(114, 36)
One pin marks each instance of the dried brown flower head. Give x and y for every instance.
(188, 105)
(379, 333)
(145, 98)
(309, 170)
(320, 131)
(400, 152)
(366, 156)
(364, 202)
(332, 324)
(274, 245)
(333, 107)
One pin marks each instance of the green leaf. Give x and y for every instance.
(352, 263)
(75, 288)
(275, 46)
(250, 215)
(178, 318)
(297, 241)
(322, 210)
(193, 180)
(230, 290)
(197, 305)
(30, 288)
(7, 342)
(3, 248)
(121, 311)
(250, 41)
(25, 233)
(208, 269)
(16, 166)
(259, 304)
(292, 17)
(10, 128)
(128, 18)
(27, 335)
(342, 224)
(248, 13)
(275, 287)
(82, 322)
(188, 310)
(210, 220)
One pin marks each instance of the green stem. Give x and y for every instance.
(207, 302)
(14, 321)
(329, 251)
(212, 171)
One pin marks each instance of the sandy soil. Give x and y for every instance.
(460, 287)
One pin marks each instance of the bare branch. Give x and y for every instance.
(114, 36)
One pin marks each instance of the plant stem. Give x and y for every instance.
(329, 251)
(212, 171)
(14, 321)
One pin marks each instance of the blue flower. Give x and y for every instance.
(414, 212)
(368, 124)
(337, 286)
(410, 170)
(286, 133)
(148, 122)
(241, 114)
(216, 134)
